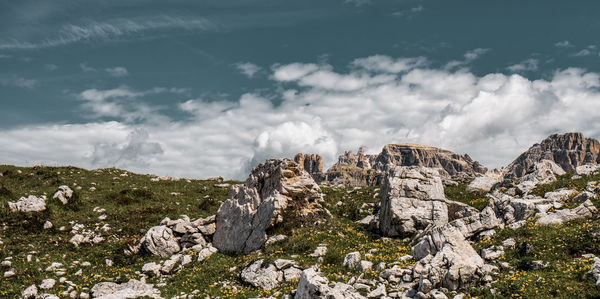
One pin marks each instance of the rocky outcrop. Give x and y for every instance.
(172, 236)
(311, 163)
(561, 216)
(412, 199)
(259, 204)
(542, 172)
(353, 176)
(268, 277)
(367, 170)
(28, 204)
(313, 285)
(568, 150)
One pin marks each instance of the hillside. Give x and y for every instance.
(68, 232)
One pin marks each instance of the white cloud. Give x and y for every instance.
(106, 30)
(320, 110)
(563, 44)
(247, 68)
(408, 12)
(18, 82)
(524, 66)
(358, 3)
(117, 71)
(383, 63)
(469, 57)
(589, 50)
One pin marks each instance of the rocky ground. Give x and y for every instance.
(74, 233)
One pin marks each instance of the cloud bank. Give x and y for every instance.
(317, 109)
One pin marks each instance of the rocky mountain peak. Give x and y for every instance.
(311, 163)
(568, 150)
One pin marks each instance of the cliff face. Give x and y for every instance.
(427, 156)
(311, 163)
(568, 150)
(347, 171)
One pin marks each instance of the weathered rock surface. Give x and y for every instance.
(561, 216)
(63, 194)
(259, 204)
(542, 172)
(311, 163)
(131, 289)
(312, 285)
(487, 180)
(412, 199)
(567, 150)
(587, 169)
(266, 278)
(353, 176)
(172, 236)
(160, 240)
(28, 204)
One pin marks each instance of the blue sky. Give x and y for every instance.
(205, 88)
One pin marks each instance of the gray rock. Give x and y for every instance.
(47, 284)
(292, 273)
(312, 285)
(319, 251)
(252, 208)
(206, 253)
(378, 292)
(543, 172)
(583, 196)
(561, 216)
(275, 239)
(492, 253)
(284, 263)
(595, 272)
(364, 266)
(63, 194)
(486, 181)
(509, 243)
(169, 265)
(30, 292)
(28, 204)
(587, 169)
(152, 269)
(412, 199)
(159, 240)
(131, 289)
(266, 278)
(47, 225)
(352, 259)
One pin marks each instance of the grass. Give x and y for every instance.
(133, 203)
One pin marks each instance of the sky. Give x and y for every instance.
(212, 88)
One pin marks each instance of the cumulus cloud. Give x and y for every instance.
(587, 51)
(247, 68)
(524, 66)
(318, 109)
(117, 71)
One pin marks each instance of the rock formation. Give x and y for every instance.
(347, 171)
(568, 150)
(259, 204)
(311, 163)
(28, 204)
(542, 172)
(313, 285)
(63, 194)
(412, 199)
(172, 236)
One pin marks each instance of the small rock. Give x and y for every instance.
(47, 284)
(352, 259)
(30, 292)
(47, 225)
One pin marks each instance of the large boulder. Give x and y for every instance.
(412, 199)
(28, 204)
(266, 278)
(273, 187)
(161, 241)
(313, 285)
(486, 181)
(568, 150)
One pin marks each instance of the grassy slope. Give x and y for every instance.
(130, 213)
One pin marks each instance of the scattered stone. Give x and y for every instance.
(266, 278)
(10, 273)
(152, 269)
(30, 292)
(378, 292)
(47, 284)
(275, 239)
(561, 216)
(160, 240)
(313, 285)
(63, 194)
(509, 243)
(131, 289)
(206, 253)
(319, 251)
(352, 259)
(47, 225)
(492, 253)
